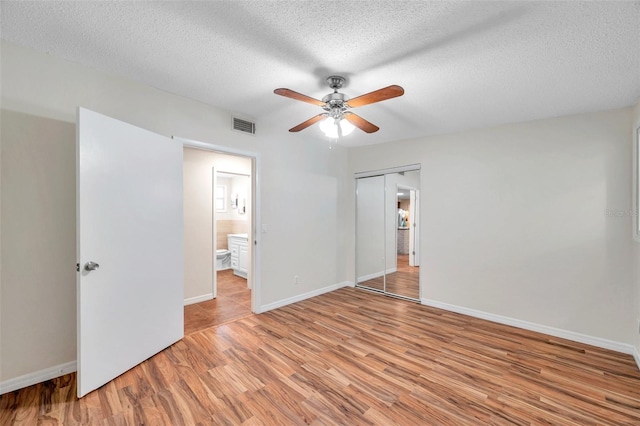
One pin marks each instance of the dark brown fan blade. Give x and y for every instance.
(288, 93)
(308, 123)
(360, 122)
(376, 96)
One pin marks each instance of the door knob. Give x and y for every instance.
(91, 266)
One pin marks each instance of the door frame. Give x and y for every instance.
(414, 233)
(254, 241)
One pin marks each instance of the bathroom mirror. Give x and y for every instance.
(387, 232)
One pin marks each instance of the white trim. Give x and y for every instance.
(301, 297)
(636, 185)
(636, 356)
(370, 276)
(389, 170)
(212, 147)
(37, 377)
(198, 299)
(256, 175)
(565, 334)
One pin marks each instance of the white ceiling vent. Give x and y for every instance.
(245, 126)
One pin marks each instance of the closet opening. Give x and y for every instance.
(387, 231)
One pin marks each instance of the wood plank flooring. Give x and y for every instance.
(352, 357)
(404, 282)
(232, 302)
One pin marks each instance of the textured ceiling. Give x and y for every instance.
(463, 65)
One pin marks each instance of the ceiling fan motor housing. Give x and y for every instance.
(335, 100)
(335, 104)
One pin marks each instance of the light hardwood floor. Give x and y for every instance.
(352, 357)
(232, 302)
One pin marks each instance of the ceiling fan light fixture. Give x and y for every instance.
(329, 128)
(346, 127)
(336, 127)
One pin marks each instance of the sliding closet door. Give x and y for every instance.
(386, 217)
(370, 232)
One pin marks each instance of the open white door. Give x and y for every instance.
(129, 222)
(414, 233)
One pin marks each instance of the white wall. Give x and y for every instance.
(514, 220)
(38, 293)
(301, 182)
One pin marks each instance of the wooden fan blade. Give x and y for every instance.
(308, 123)
(360, 122)
(288, 93)
(376, 96)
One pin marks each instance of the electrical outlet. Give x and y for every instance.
(296, 280)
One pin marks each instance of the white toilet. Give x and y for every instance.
(223, 259)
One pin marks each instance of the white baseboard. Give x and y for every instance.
(370, 276)
(565, 334)
(636, 356)
(301, 297)
(376, 274)
(198, 299)
(37, 377)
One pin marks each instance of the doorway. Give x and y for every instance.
(220, 247)
(231, 216)
(387, 232)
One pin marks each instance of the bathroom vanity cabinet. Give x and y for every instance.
(239, 248)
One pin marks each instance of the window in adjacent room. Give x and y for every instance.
(221, 198)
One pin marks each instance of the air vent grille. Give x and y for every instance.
(244, 126)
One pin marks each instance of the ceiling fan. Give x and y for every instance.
(337, 120)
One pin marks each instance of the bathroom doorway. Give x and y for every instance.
(219, 217)
(231, 206)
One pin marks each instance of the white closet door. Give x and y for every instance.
(129, 222)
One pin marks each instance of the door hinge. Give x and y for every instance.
(77, 267)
